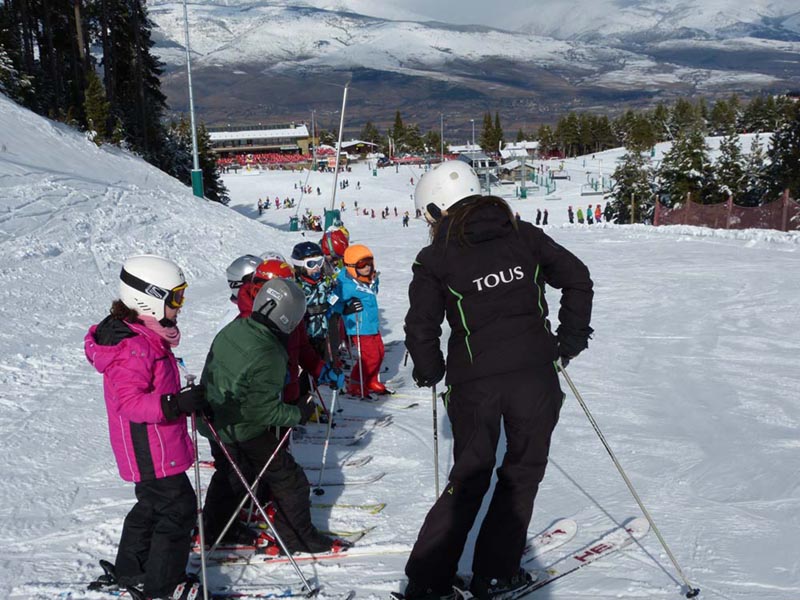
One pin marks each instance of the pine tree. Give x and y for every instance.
(722, 117)
(684, 117)
(632, 190)
(13, 84)
(730, 168)
(603, 135)
(754, 116)
(686, 169)
(784, 155)
(433, 142)
(97, 108)
(213, 186)
(398, 132)
(487, 133)
(497, 133)
(133, 84)
(412, 140)
(546, 139)
(660, 121)
(641, 136)
(329, 138)
(567, 133)
(521, 137)
(755, 187)
(370, 133)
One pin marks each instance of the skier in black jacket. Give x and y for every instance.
(485, 272)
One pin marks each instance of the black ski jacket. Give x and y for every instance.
(492, 293)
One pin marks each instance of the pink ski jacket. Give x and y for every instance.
(138, 367)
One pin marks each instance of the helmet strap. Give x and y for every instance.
(434, 211)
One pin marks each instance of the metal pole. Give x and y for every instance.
(473, 131)
(245, 498)
(339, 145)
(200, 525)
(313, 143)
(435, 441)
(318, 490)
(441, 133)
(251, 493)
(360, 362)
(197, 174)
(692, 591)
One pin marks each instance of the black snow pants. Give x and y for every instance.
(286, 480)
(156, 536)
(529, 403)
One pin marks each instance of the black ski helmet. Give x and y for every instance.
(304, 250)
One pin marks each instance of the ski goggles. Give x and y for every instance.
(312, 263)
(173, 298)
(364, 263)
(177, 296)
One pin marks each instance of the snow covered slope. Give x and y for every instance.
(692, 375)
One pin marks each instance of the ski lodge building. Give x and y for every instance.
(234, 141)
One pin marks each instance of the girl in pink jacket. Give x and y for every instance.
(132, 348)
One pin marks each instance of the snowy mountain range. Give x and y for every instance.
(691, 373)
(541, 57)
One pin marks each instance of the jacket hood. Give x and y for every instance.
(487, 223)
(105, 342)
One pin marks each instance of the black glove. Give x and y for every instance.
(189, 400)
(307, 407)
(353, 305)
(429, 379)
(571, 343)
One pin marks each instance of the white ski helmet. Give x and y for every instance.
(149, 282)
(443, 186)
(240, 271)
(280, 303)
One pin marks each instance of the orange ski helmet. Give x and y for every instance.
(358, 256)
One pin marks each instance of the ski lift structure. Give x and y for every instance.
(596, 183)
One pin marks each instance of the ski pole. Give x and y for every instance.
(200, 525)
(251, 493)
(190, 379)
(245, 498)
(692, 591)
(435, 441)
(360, 362)
(315, 387)
(318, 491)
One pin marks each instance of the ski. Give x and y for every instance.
(368, 422)
(352, 463)
(610, 543)
(335, 439)
(555, 536)
(220, 594)
(265, 541)
(264, 558)
(372, 509)
(255, 593)
(354, 481)
(558, 534)
(255, 518)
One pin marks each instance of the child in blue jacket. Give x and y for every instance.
(357, 292)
